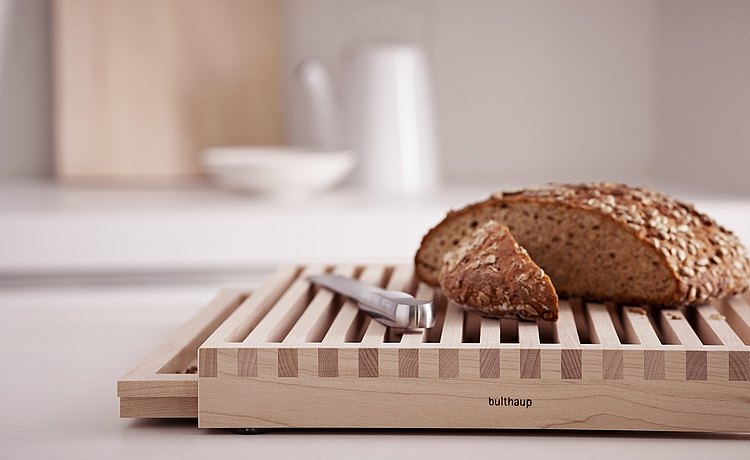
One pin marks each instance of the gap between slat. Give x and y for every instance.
(441, 304)
(238, 326)
(295, 298)
(319, 314)
(677, 329)
(336, 334)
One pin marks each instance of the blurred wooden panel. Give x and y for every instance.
(142, 86)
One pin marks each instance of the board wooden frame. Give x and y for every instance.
(292, 355)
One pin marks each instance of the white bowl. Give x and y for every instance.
(277, 170)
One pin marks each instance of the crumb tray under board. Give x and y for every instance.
(165, 383)
(293, 355)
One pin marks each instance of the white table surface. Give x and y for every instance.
(62, 350)
(63, 345)
(62, 229)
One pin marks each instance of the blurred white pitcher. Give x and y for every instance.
(387, 115)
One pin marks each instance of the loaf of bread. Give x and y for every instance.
(490, 274)
(606, 242)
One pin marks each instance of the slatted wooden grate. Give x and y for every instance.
(289, 328)
(292, 354)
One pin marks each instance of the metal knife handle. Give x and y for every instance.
(392, 308)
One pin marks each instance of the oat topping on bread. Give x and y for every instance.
(605, 241)
(491, 274)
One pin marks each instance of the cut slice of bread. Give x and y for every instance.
(606, 242)
(490, 274)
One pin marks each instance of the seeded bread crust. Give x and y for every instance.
(706, 260)
(490, 274)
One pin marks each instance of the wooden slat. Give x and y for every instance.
(408, 358)
(713, 327)
(677, 330)
(528, 334)
(237, 326)
(453, 327)
(336, 334)
(369, 356)
(292, 300)
(564, 329)
(638, 327)
(316, 312)
(565, 333)
(601, 325)
(602, 330)
(489, 332)
(737, 311)
(528, 338)
(374, 334)
(450, 341)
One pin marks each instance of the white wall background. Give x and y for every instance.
(651, 91)
(527, 91)
(704, 93)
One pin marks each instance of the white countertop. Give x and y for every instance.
(63, 349)
(58, 229)
(54, 228)
(63, 346)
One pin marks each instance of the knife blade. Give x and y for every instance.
(392, 308)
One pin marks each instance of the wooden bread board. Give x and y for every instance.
(293, 355)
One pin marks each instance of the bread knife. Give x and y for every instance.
(392, 308)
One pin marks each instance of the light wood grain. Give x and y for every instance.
(737, 312)
(463, 403)
(714, 328)
(318, 315)
(603, 325)
(530, 357)
(489, 334)
(677, 330)
(639, 330)
(565, 334)
(158, 385)
(162, 407)
(337, 333)
(285, 310)
(142, 86)
(662, 378)
(239, 324)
